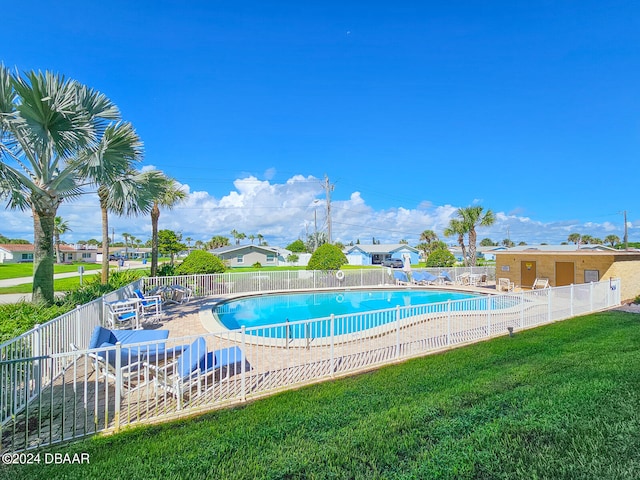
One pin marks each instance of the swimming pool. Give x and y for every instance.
(266, 310)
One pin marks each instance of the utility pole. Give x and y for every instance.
(328, 188)
(626, 236)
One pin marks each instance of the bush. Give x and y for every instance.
(93, 287)
(166, 270)
(441, 258)
(17, 318)
(201, 262)
(327, 257)
(257, 265)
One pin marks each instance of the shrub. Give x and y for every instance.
(297, 247)
(17, 318)
(441, 258)
(167, 270)
(327, 257)
(257, 265)
(200, 261)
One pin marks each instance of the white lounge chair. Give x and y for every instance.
(540, 283)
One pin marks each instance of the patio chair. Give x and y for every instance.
(122, 314)
(401, 277)
(463, 278)
(540, 283)
(444, 278)
(150, 306)
(423, 278)
(103, 354)
(194, 366)
(505, 285)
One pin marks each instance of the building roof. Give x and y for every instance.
(265, 248)
(381, 248)
(558, 248)
(17, 247)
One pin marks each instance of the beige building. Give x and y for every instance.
(566, 268)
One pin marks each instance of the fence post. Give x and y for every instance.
(448, 322)
(548, 304)
(116, 411)
(489, 315)
(243, 380)
(571, 301)
(521, 310)
(397, 332)
(331, 331)
(37, 352)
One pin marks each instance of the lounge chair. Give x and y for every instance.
(444, 278)
(150, 305)
(401, 277)
(505, 285)
(423, 278)
(540, 283)
(463, 278)
(103, 353)
(194, 366)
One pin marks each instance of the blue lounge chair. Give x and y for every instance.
(423, 278)
(401, 277)
(103, 353)
(193, 366)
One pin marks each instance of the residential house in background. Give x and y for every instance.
(376, 254)
(248, 255)
(21, 253)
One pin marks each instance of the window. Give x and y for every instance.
(271, 258)
(27, 256)
(240, 259)
(86, 255)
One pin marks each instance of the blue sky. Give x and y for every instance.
(412, 110)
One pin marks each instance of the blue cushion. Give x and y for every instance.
(138, 294)
(191, 358)
(125, 356)
(101, 335)
(221, 358)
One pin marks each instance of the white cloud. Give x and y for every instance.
(285, 211)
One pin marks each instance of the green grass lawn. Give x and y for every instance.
(59, 285)
(18, 270)
(557, 402)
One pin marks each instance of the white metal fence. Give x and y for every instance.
(53, 396)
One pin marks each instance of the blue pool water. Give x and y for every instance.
(266, 310)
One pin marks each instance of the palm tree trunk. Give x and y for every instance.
(472, 246)
(102, 195)
(43, 254)
(155, 216)
(464, 249)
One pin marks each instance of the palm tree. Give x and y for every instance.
(49, 127)
(574, 238)
(252, 237)
(126, 237)
(260, 239)
(60, 227)
(473, 217)
(129, 195)
(166, 194)
(456, 227)
(241, 236)
(612, 240)
(428, 237)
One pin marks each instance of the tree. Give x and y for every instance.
(126, 237)
(217, 242)
(574, 238)
(441, 257)
(200, 262)
(457, 228)
(166, 194)
(428, 237)
(508, 243)
(473, 217)
(252, 237)
(170, 243)
(60, 227)
(586, 239)
(612, 240)
(327, 257)
(487, 242)
(297, 246)
(50, 127)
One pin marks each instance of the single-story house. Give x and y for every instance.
(571, 267)
(19, 253)
(376, 254)
(248, 255)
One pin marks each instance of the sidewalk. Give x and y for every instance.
(26, 297)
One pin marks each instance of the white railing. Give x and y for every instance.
(84, 398)
(21, 384)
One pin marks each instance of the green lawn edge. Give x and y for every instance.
(559, 401)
